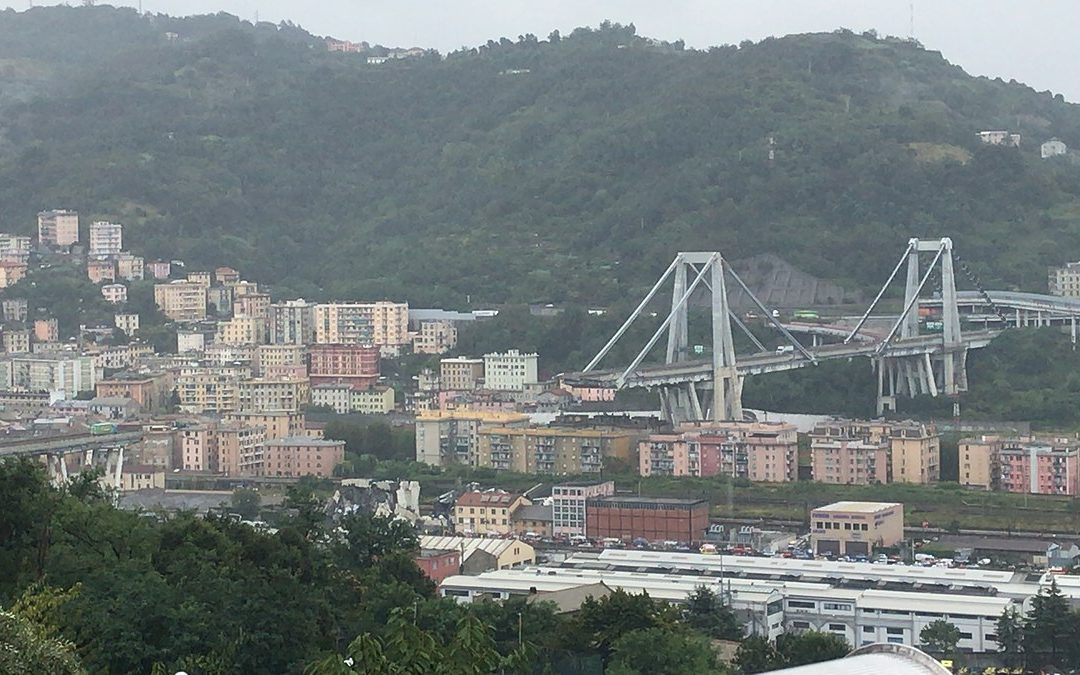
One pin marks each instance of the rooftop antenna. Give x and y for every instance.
(911, 24)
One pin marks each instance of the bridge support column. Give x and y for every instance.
(727, 385)
(57, 468)
(114, 466)
(886, 385)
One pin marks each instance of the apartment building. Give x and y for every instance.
(14, 248)
(15, 309)
(11, 273)
(856, 528)
(181, 300)
(114, 294)
(198, 448)
(449, 437)
(551, 450)
(129, 267)
(980, 461)
(239, 449)
(159, 269)
(252, 304)
(127, 322)
(510, 371)
(757, 451)
(849, 452)
(260, 395)
(242, 330)
(384, 324)
(353, 364)
(292, 323)
(568, 505)
(915, 450)
(301, 456)
(101, 271)
(212, 389)
(16, 340)
(226, 275)
(46, 330)
(276, 424)
(219, 301)
(1065, 281)
(201, 278)
(106, 239)
(337, 397)
(435, 337)
(377, 400)
(281, 358)
(460, 373)
(1040, 465)
(486, 513)
(65, 374)
(58, 228)
(151, 392)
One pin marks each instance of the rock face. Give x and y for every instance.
(779, 284)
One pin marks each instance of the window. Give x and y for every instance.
(800, 624)
(965, 636)
(836, 606)
(838, 627)
(894, 631)
(801, 604)
(895, 640)
(868, 629)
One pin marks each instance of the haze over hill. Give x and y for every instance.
(563, 169)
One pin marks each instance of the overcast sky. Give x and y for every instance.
(1033, 41)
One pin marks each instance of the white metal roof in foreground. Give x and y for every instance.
(673, 587)
(876, 659)
(816, 568)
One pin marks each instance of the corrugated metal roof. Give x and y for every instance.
(876, 659)
(469, 545)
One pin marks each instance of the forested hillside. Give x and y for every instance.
(565, 169)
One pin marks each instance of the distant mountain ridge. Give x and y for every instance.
(565, 169)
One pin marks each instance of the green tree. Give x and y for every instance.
(1010, 636)
(246, 501)
(939, 637)
(662, 651)
(756, 654)
(600, 623)
(1048, 626)
(25, 650)
(705, 611)
(798, 649)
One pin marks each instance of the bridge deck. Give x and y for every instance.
(770, 362)
(67, 443)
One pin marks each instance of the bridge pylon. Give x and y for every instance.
(683, 399)
(920, 374)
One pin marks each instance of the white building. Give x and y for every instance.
(129, 323)
(1064, 281)
(1052, 148)
(998, 137)
(114, 293)
(568, 505)
(106, 239)
(776, 595)
(64, 375)
(335, 396)
(292, 323)
(14, 248)
(510, 371)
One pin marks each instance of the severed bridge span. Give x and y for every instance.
(906, 362)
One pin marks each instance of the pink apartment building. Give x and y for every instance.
(1040, 466)
(849, 453)
(758, 451)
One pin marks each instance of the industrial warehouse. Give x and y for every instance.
(862, 602)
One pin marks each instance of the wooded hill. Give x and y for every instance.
(566, 169)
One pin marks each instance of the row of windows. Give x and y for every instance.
(827, 525)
